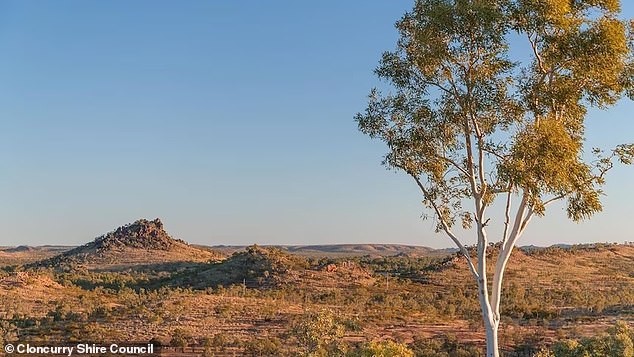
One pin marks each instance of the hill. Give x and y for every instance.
(143, 242)
(26, 254)
(342, 250)
(20, 249)
(550, 294)
(268, 267)
(262, 266)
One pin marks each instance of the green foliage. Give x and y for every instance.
(386, 348)
(353, 324)
(421, 291)
(446, 346)
(255, 266)
(319, 333)
(180, 338)
(460, 105)
(264, 347)
(618, 341)
(467, 123)
(544, 353)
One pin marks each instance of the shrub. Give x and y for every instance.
(179, 338)
(264, 347)
(319, 333)
(386, 348)
(616, 342)
(445, 346)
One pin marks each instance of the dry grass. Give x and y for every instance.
(350, 289)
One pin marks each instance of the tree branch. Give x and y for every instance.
(538, 57)
(454, 164)
(553, 199)
(506, 249)
(433, 84)
(596, 177)
(445, 226)
(507, 217)
(501, 157)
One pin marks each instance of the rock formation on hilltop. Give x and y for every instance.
(138, 243)
(142, 234)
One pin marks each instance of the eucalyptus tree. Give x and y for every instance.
(471, 126)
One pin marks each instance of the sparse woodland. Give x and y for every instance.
(267, 302)
(483, 107)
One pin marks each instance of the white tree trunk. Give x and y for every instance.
(491, 321)
(490, 304)
(489, 314)
(492, 338)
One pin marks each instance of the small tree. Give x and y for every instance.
(319, 333)
(179, 338)
(386, 348)
(468, 124)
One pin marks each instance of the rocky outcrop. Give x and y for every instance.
(138, 243)
(142, 234)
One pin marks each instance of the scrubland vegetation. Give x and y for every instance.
(266, 302)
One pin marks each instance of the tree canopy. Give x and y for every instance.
(469, 121)
(489, 99)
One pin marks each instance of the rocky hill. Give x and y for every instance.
(269, 267)
(255, 266)
(143, 242)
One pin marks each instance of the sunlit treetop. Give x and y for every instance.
(466, 121)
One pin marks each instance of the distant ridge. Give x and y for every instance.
(140, 242)
(19, 249)
(342, 250)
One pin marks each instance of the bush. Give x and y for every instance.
(319, 333)
(383, 349)
(446, 346)
(179, 338)
(618, 341)
(264, 347)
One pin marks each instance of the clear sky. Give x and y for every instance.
(230, 120)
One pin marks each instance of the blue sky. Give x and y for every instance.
(232, 121)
